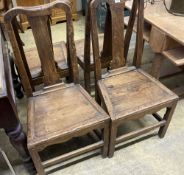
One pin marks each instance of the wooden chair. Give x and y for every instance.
(85, 59)
(128, 93)
(32, 61)
(60, 111)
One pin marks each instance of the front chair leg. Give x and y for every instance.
(37, 161)
(87, 81)
(168, 116)
(106, 140)
(113, 134)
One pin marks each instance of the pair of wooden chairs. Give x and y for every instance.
(62, 111)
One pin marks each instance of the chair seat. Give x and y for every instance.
(131, 92)
(62, 112)
(34, 61)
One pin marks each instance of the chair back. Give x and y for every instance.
(116, 45)
(39, 20)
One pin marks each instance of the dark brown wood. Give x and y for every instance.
(40, 25)
(168, 115)
(41, 32)
(9, 120)
(128, 93)
(86, 62)
(87, 46)
(16, 82)
(139, 36)
(59, 111)
(130, 26)
(72, 154)
(139, 132)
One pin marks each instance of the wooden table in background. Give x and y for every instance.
(165, 34)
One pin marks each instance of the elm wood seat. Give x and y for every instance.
(73, 113)
(128, 93)
(60, 111)
(128, 86)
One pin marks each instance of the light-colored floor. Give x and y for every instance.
(146, 155)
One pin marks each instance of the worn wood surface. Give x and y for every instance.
(132, 87)
(59, 111)
(71, 110)
(164, 36)
(128, 93)
(35, 64)
(175, 55)
(158, 16)
(28, 67)
(86, 60)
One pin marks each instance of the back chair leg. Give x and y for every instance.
(113, 135)
(168, 115)
(37, 161)
(106, 141)
(87, 81)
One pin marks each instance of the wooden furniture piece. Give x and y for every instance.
(162, 32)
(32, 65)
(60, 111)
(5, 5)
(33, 61)
(86, 60)
(9, 120)
(128, 93)
(56, 16)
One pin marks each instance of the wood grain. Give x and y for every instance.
(128, 93)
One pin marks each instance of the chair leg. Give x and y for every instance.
(113, 134)
(106, 140)
(168, 116)
(37, 161)
(135, 53)
(87, 80)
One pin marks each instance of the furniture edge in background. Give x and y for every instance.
(57, 15)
